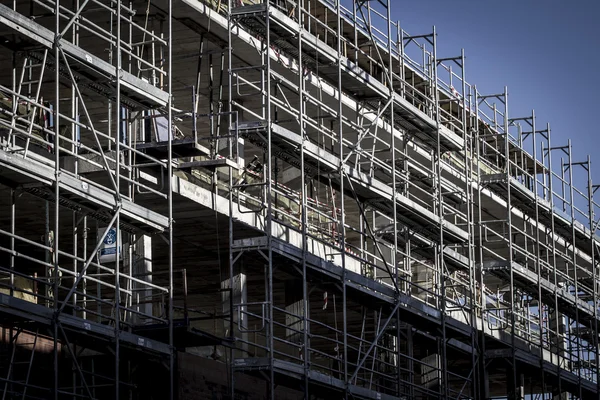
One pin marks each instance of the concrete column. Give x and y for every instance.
(424, 280)
(431, 375)
(557, 340)
(239, 291)
(521, 388)
(294, 304)
(142, 269)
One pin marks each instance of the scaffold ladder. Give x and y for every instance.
(15, 379)
(28, 90)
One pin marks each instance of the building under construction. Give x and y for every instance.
(277, 199)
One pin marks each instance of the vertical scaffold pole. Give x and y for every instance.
(230, 198)
(440, 212)
(173, 353)
(594, 244)
(468, 152)
(57, 15)
(569, 167)
(304, 210)
(269, 165)
(117, 110)
(342, 223)
(394, 252)
(538, 257)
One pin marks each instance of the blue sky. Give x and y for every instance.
(546, 52)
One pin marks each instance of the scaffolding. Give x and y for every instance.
(297, 193)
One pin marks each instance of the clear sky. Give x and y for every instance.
(546, 51)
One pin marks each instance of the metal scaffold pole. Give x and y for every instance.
(230, 196)
(172, 349)
(440, 212)
(511, 365)
(593, 229)
(56, 150)
(467, 121)
(342, 218)
(305, 350)
(270, 168)
(118, 133)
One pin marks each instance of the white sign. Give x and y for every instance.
(110, 245)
